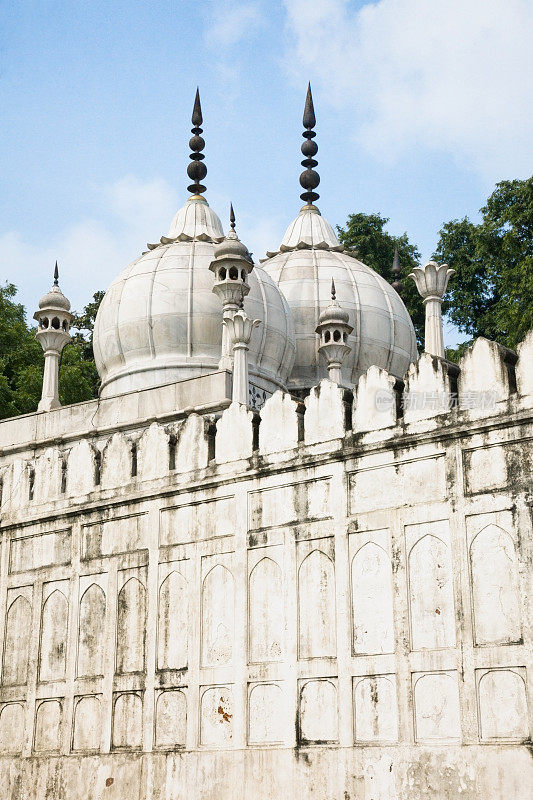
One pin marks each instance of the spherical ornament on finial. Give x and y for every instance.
(196, 169)
(309, 179)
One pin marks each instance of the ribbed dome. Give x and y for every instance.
(232, 247)
(195, 220)
(55, 299)
(309, 256)
(160, 322)
(333, 314)
(309, 229)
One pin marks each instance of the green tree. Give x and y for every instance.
(491, 293)
(366, 235)
(83, 338)
(84, 323)
(21, 357)
(22, 360)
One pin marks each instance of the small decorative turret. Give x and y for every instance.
(231, 266)
(431, 282)
(309, 179)
(54, 319)
(396, 269)
(334, 329)
(196, 169)
(239, 328)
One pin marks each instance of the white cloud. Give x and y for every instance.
(448, 75)
(230, 22)
(91, 252)
(141, 205)
(229, 27)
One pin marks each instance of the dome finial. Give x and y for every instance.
(56, 275)
(196, 170)
(333, 293)
(309, 179)
(231, 217)
(396, 269)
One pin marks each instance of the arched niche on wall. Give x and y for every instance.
(316, 606)
(53, 645)
(372, 601)
(16, 642)
(318, 713)
(87, 724)
(171, 719)
(131, 627)
(173, 622)
(218, 611)
(495, 587)
(91, 631)
(11, 728)
(47, 737)
(127, 721)
(266, 617)
(431, 600)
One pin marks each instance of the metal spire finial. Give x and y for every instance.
(396, 269)
(56, 275)
(231, 217)
(333, 293)
(196, 169)
(309, 179)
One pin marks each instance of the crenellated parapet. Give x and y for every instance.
(490, 382)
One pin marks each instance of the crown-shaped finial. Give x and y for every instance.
(309, 179)
(196, 169)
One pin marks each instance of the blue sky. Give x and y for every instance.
(421, 108)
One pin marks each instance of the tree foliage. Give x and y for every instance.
(22, 360)
(374, 246)
(491, 293)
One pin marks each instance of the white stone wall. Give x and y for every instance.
(198, 610)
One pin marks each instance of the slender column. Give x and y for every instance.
(240, 328)
(433, 338)
(50, 394)
(226, 361)
(240, 373)
(334, 372)
(431, 282)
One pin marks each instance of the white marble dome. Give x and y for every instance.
(160, 322)
(309, 256)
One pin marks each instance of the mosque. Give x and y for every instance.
(282, 554)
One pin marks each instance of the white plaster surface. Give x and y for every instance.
(375, 406)
(337, 617)
(324, 413)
